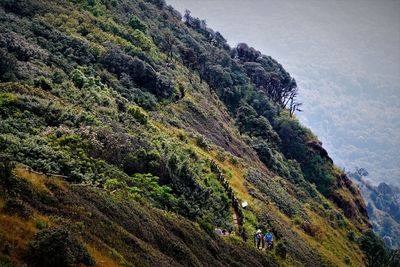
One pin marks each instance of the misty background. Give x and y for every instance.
(345, 57)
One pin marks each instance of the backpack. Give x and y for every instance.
(269, 237)
(257, 236)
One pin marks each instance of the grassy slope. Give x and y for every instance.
(314, 231)
(117, 231)
(330, 241)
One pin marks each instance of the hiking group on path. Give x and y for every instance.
(261, 241)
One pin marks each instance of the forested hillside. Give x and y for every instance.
(383, 205)
(129, 132)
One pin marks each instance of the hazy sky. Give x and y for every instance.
(345, 56)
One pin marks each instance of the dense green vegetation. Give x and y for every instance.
(111, 114)
(87, 225)
(56, 247)
(376, 251)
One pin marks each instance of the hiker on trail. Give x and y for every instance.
(269, 239)
(243, 234)
(257, 239)
(262, 241)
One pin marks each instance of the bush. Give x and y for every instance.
(221, 156)
(7, 65)
(206, 224)
(140, 72)
(5, 261)
(158, 3)
(24, 7)
(17, 207)
(78, 78)
(142, 161)
(6, 168)
(40, 224)
(281, 249)
(351, 236)
(203, 143)
(234, 161)
(147, 185)
(93, 6)
(374, 248)
(56, 247)
(112, 184)
(138, 113)
(137, 24)
(249, 122)
(264, 152)
(43, 83)
(309, 229)
(164, 87)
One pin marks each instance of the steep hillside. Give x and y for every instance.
(129, 133)
(383, 204)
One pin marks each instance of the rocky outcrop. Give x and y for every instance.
(354, 208)
(317, 147)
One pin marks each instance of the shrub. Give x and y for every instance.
(249, 122)
(78, 78)
(203, 143)
(17, 207)
(24, 7)
(93, 6)
(374, 249)
(112, 184)
(142, 161)
(56, 247)
(58, 77)
(264, 152)
(309, 229)
(7, 65)
(340, 220)
(234, 160)
(140, 72)
(206, 224)
(351, 236)
(138, 113)
(147, 184)
(164, 87)
(6, 168)
(7, 99)
(221, 156)
(40, 224)
(281, 249)
(145, 99)
(5, 261)
(158, 3)
(137, 24)
(43, 83)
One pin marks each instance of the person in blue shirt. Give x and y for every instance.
(269, 239)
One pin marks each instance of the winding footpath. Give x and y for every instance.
(238, 216)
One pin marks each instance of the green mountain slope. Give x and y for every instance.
(383, 203)
(129, 133)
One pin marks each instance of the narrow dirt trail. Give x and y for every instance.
(237, 213)
(235, 219)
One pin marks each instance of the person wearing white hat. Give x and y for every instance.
(257, 238)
